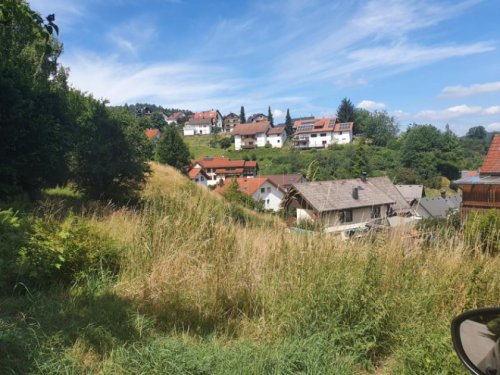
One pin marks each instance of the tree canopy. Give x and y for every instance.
(172, 150)
(345, 111)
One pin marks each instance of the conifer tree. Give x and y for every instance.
(243, 118)
(172, 150)
(270, 116)
(345, 111)
(288, 123)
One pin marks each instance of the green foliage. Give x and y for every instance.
(11, 239)
(243, 118)
(478, 132)
(288, 123)
(233, 194)
(172, 150)
(110, 152)
(482, 231)
(226, 142)
(270, 116)
(345, 111)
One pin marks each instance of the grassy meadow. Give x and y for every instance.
(189, 284)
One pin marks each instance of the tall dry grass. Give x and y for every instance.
(385, 301)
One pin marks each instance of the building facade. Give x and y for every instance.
(321, 133)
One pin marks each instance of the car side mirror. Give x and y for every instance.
(476, 338)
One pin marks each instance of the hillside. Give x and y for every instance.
(186, 283)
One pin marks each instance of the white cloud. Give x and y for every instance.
(67, 12)
(371, 105)
(132, 36)
(278, 113)
(495, 126)
(475, 89)
(458, 111)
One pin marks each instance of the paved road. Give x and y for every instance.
(477, 342)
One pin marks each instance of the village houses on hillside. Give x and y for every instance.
(217, 169)
(258, 134)
(229, 122)
(203, 123)
(260, 189)
(321, 133)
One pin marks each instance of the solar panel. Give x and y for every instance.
(305, 128)
(345, 126)
(308, 123)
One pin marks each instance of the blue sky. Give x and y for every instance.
(422, 61)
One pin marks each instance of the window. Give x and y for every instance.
(322, 135)
(268, 189)
(201, 178)
(278, 141)
(375, 212)
(345, 216)
(262, 190)
(314, 135)
(195, 180)
(324, 143)
(340, 133)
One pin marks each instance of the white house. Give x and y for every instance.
(261, 189)
(198, 176)
(276, 136)
(218, 169)
(199, 126)
(321, 133)
(251, 135)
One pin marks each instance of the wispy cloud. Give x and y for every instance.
(132, 36)
(68, 12)
(458, 111)
(475, 89)
(495, 126)
(371, 105)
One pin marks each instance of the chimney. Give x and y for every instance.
(443, 194)
(355, 193)
(364, 176)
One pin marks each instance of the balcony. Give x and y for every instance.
(248, 146)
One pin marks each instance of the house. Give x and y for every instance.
(285, 181)
(218, 169)
(229, 122)
(202, 123)
(276, 136)
(321, 133)
(346, 205)
(437, 207)
(261, 189)
(257, 117)
(299, 120)
(251, 135)
(481, 192)
(198, 176)
(198, 126)
(411, 193)
(175, 117)
(153, 134)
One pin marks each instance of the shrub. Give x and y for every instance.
(11, 239)
(482, 230)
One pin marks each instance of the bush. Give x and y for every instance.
(482, 230)
(11, 239)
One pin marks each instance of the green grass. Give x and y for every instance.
(200, 291)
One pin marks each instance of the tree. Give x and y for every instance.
(157, 120)
(243, 118)
(478, 132)
(288, 123)
(345, 111)
(270, 116)
(172, 150)
(380, 127)
(110, 153)
(419, 139)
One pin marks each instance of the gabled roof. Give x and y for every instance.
(231, 115)
(338, 194)
(199, 121)
(223, 163)
(491, 164)
(278, 130)
(321, 125)
(195, 172)
(437, 206)
(285, 180)
(247, 185)
(411, 192)
(212, 114)
(255, 115)
(251, 128)
(151, 133)
(176, 116)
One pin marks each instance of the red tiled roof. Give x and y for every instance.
(321, 125)
(246, 185)
(223, 163)
(229, 171)
(150, 133)
(206, 114)
(491, 164)
(251, 128)
(195, 172)
(176, 116)
(277, 130)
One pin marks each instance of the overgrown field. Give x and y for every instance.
(184, 283)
